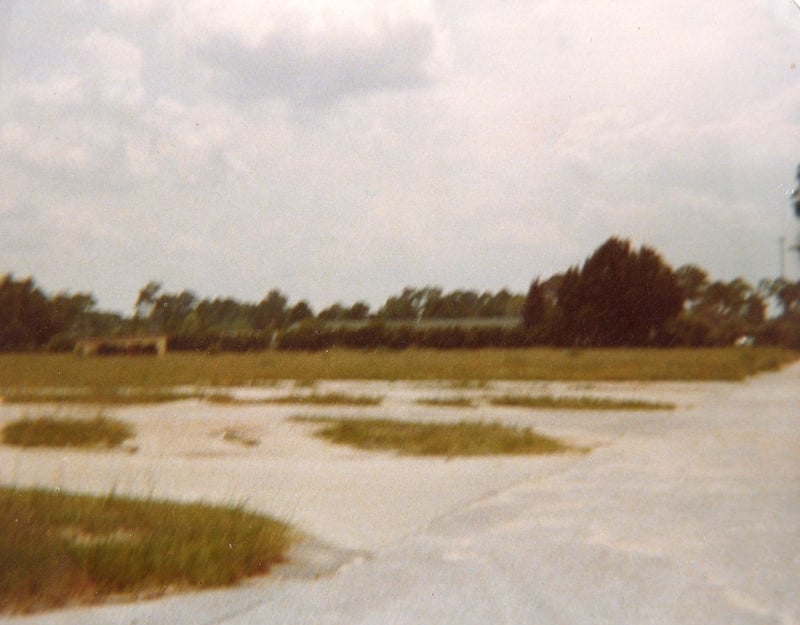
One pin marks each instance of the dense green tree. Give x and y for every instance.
(339, 312)
(494, 306)
(788, 295)
(170, 311)
(783, 329)
(299, 312)
(433, 303)
(27, 318)
(409, 305)
(271, 311)
(620, 296)
(693, 282)
(225, 315)
(357, 312)
(335, 312)
(566, 326)
(627, 296)
(535, 309)
(717, 312)
(457, 304)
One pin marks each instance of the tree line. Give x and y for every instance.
(620, 296)
(32, 320)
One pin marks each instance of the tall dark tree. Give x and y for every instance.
(567, 326)
(534, 310)
(26, 316)
(627, 296)
(620, 296)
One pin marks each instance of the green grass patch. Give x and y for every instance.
(28, 371)
(104, 396)
(313, 399)
(467, 438)
(59, 549)
(583, 402)
(446, 402)
(55, 431)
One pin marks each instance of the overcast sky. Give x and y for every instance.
(340, 151)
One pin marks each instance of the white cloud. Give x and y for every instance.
(252, 21)
(313, 53)
(113, 66)
(133, 8)
(342, 150)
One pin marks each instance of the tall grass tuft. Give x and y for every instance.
(59, 549)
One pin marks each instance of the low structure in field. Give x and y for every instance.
(131, 345)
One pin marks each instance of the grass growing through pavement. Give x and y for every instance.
(104, 396)
(314, 399)
(49, 431)
(577, 403)
(127, 396)
(59, 549)
(467, 438)
(446, 402)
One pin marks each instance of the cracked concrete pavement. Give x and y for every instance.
(676, 516)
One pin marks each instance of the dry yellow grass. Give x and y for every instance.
(25, 371)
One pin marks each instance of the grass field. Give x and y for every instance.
(100, 375)
(59, 549)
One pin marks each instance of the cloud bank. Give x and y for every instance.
(344, 150)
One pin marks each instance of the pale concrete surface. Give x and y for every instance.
(685, 516)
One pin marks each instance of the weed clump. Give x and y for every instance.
(583, 402)
(316, 399)
(51, 431)
(446, 402)
(467, 438)
(59, 549)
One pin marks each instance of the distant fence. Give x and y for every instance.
(131, 345)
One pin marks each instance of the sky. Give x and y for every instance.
(341, 151)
